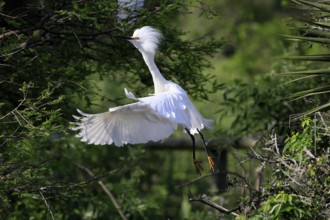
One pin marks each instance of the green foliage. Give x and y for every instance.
(296, 157)
(52, 54)
(259, 107)
(311, 29)
(286, 206)
(300, 181)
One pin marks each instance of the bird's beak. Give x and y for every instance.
(127, 37)
(124, 37)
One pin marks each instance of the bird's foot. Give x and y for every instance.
(211, 163)
(198, 166)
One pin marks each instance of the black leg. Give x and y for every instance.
(198, 166)
(211, 163)
(203, 140)
(193, 141)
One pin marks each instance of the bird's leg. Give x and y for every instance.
(209, 158)
(197, 163)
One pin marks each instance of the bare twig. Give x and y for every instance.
(9, 33)
(276, 145)
(8, 16)
(106, 190)
(47, 205)
(185, 143)
(246, 182)
(204, 199)
(196, 179)
(309, 153)
(80, 45)
(322, 120)
(259, 171)
(15, 110)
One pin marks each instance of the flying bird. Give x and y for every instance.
(151, 118)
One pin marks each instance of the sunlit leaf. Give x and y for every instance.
(310, 39)
(316, 109)
(308, 72)
(312, 4)
(317, 57)
(312, 29)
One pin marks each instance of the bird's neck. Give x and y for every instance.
(157, 77)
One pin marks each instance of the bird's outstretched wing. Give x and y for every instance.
(134, 123)
(176, 107)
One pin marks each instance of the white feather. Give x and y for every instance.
(134, 123)
(146, 39)
(176, 106)
(152, 118)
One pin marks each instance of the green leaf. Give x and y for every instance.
(319, 57)
(310, 92)
(313, 110)
(298, 79)
(312, 4)
(310, 39)
(317, 71)
(311, 22)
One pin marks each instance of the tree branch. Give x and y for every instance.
(250, 187)
(204, 199)
(184, 143)
(47, 205)
(106, 190)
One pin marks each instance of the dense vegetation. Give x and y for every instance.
(271, 134)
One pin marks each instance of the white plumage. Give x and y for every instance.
(151, 118)
(134, 123)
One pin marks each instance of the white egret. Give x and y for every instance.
(151, 118)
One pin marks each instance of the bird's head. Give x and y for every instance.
(146, 39)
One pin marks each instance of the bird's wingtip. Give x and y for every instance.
(82, 113)
(208, 123)
(76, 117)
(129, 94)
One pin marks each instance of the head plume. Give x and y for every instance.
(146, 39)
